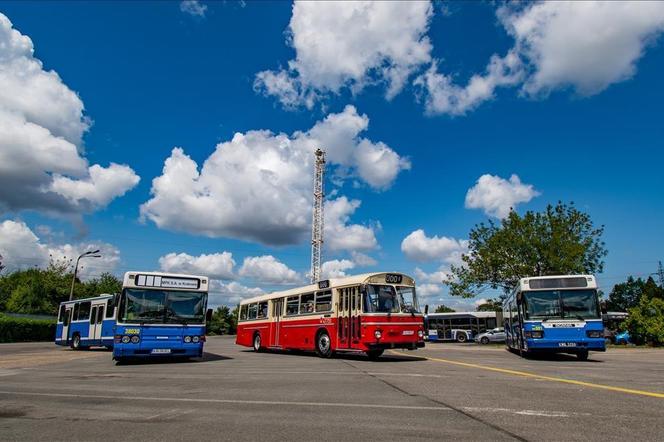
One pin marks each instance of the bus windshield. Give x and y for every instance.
(162, 306)
(380, 299)
(577, 304)
(408, 299)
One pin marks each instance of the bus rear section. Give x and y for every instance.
(85, 323)
(367, 313)
(556, 314)
(161, 315)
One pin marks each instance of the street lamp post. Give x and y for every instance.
(88, 254)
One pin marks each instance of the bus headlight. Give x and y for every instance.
(135, 339)
(195, 339)
(420, 334)
(594, 333)
(378, 334)
(126, 339)
(535, 334)
(187, 339)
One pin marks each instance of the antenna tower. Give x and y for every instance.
(660, 273)
(317, 222)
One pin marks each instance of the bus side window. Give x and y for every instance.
(61, 314)
(243, 312)
(110, 308)
(100, 314)
(324, 301)
(292, 305)
(262, 310)
(84, 311)
(253, 311)
(75, 315)
(65, 320)
(307, 303)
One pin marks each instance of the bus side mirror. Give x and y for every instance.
(426, 309)
(208, 315)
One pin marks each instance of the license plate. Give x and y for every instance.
(567, 344)
(408, 332)
(161, 351)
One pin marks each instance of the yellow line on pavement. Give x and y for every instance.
(549, 378)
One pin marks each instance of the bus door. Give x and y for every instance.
(96, 319)
(277, 312)
(348, 317)
(66, 320)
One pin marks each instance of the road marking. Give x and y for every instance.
(541, 413)
(226, 401)
(549, 378)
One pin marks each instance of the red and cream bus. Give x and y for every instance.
(367, 313)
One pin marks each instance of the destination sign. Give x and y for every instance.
(167, 282)
(391, 278)
(324, 284)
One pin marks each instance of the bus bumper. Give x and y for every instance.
(566, 346)
(133, 351)
(391, 345)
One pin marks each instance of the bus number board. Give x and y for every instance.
(166, 282)
(393, 279)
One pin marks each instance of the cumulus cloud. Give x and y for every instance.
(586, 45)
(336, 268)
(257, 186)
(268, 269)
(230, 294)
(193, 7)
(417, 246)
(41, 130)
(497, 196)
(340, 234)
(363, 260)
(350, 44)
(21, 248)
(214, 265)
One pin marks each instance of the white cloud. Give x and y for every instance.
(339, 234)
(230, 294)
(41, 130)
(193, 7)
(336, 268)
(362, 260)
(417, 246)
(214, 265)
(257, 186)
(427, 290)
(21, 249)
(442, 96)
(496, 196)
(268, 269)
(436, 277)
(586, 45)
(350, 44)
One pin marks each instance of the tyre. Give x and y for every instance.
(323, 345)
(484, 340)
(76, 342)
(374, 354)
(461, 337)
(582, 355)
(257, 342)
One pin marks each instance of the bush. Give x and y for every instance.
(646, 322)
(25, 329)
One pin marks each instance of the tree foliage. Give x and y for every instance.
(444, 309)
(491, 305)
(560, 240)
(645, 322)
(626, 295)
(224, 321)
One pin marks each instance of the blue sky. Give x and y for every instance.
(413, 113)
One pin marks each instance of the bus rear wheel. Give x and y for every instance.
(374, 354)
(257, 342)
(323, 345)
(582, 355)
(461, 337)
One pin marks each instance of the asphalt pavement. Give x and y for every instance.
(445, 391)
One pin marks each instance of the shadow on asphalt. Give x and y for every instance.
(341, 355)
(207, 357)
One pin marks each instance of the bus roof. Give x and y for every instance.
(163, 280)
(332, 282)
(93, 298)
(463, 314)
(557, 282)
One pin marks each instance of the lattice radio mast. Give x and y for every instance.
(660, 273)
(317, 222)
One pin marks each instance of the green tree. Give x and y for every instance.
(444, 309)
(645, 322)
(224, 321)
(560, 240)
(491, 305)
(627, 295)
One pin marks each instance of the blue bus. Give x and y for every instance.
(554, 314)
(161, 314)
(84, 323)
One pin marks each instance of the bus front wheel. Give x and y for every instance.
(323, 345)
(257, 342)
(76, 342)
(374, 354)
(582, 355)
(461, 337)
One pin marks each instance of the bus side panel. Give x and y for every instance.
(58, 335)
(82, 328)
(107, 331)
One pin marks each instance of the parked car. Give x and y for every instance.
(622, 338)
(495, 335)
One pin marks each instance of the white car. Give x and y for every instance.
(495, 335)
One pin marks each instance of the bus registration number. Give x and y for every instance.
(161, 350)
(567, 344)
(408, 332)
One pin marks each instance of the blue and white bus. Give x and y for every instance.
(84, 323)
(556, 314)
(161, 314)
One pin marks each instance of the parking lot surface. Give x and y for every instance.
(445, 391)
